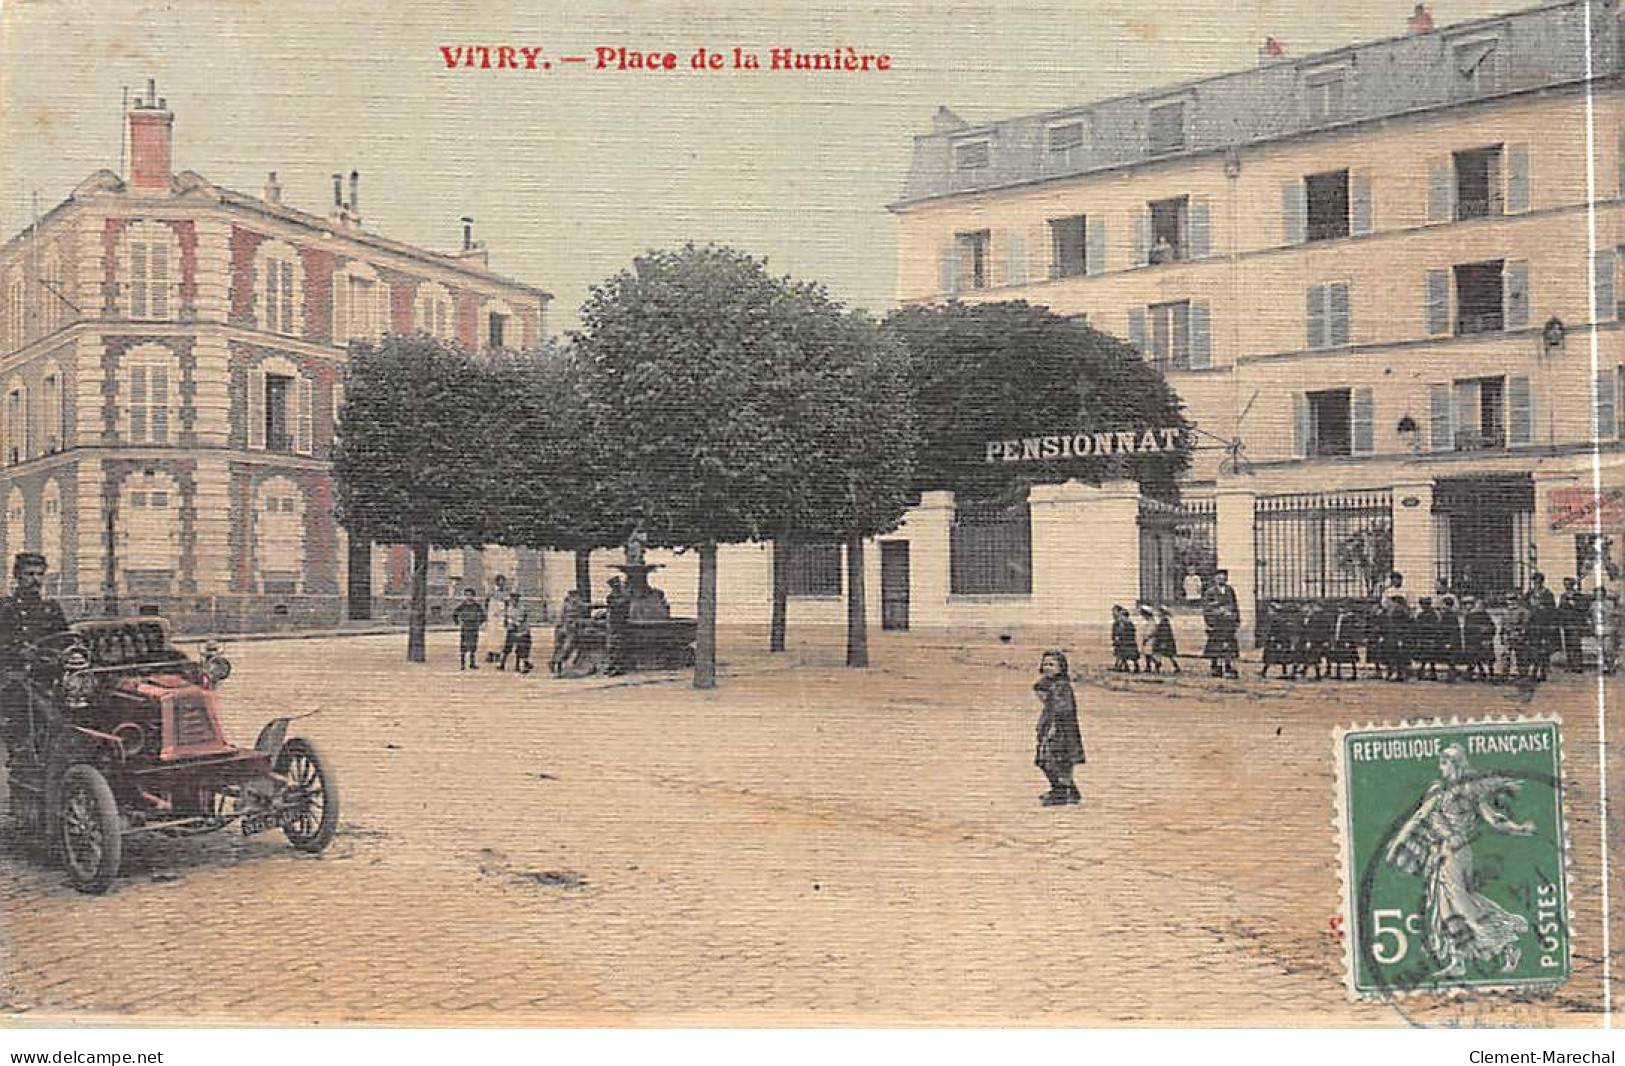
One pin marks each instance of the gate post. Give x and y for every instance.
(1414, 537)
(1238, 552)
(1086, 551)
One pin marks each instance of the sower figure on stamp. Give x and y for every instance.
(1222, 614)
(1436, 843)
(1060, 744)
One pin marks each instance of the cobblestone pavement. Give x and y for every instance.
(804, 844)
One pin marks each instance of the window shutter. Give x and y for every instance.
(1360, 205)
(158, 404)
(1339, 315)
(1142, 239)
(136, 409)
(287, 297)
(1520, 411)
(341, 309)
(1441, 192)
(1621, 162)
(1441, 428)
(256, 408)
(1294, 212)
(1517, 157)
(29, 449)
(1301, 426)
(338, 402)
(306, 413)
(1095, 231)
(159, 295)
(1016, 247)
(1603, 308)
(1201, 336)
(1515, 296)
(1436, 302)
(1468, 415)
(1604, 406)
(1201, 230)
(1361, 422)
(268, 311)
(1316, 315)
(1136, 329)
(949, 268)
(138, 279)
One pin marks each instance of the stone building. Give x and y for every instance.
(1385, 280)
(173, 361)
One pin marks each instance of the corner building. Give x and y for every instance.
(1392, 272)
(174, 359)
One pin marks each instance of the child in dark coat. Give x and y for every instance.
(1397, 641)
(469, 616)
(1478, 640)
(1281, 630)
(1060, 743)
(1125, 648)
(1162, 639)
(1427, 639)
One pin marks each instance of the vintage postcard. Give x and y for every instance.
(811, 514)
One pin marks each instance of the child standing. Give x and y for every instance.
(1060, 743)
(1125, 648)
(1162, 639)
(516, 619)
(469, 616)
(1148, 643)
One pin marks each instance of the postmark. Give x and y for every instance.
(1454, 857)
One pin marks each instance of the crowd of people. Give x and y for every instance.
(500, 623)
(1448, 636)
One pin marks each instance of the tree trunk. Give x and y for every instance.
(781, 600)
(418, 616)
(857, 616)
(705, 636)
(584, 573)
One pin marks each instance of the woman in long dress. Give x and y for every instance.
(1463, 925)
(495, 633)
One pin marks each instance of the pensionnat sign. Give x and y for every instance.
(1062, 446)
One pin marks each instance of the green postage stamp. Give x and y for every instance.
(1454, 856)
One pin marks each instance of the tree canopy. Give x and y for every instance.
(999, 371)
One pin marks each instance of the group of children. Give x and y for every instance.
(1446, 641)
(1158, 644)
(502, 609)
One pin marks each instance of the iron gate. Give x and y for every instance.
(1315, 545)
(1176, 542)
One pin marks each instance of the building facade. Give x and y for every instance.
(173, 363)
(1386, 281)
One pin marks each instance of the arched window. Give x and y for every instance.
(53, 290)
(279, 288)
(50, 402)
(147, 530)
(499, 328)
(281, 405)
(360, 304)
(16, 538)
(434, 312)
(19, 446)
(147, 378)
(50, 535)
(149, 261)
(279, 536)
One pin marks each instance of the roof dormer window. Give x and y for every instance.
(971, 155)
(1165, 127)
(1065, 136)
(1476, 66)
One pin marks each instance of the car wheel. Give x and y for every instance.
(312, 825)
(91, 833)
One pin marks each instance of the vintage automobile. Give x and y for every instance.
(122, 735)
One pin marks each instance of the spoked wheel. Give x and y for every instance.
(311, 792)
(92, 837)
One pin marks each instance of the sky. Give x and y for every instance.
(571, 172)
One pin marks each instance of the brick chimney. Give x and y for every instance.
(1420, 20)
(151, 124)
(273, 189)
(472, 250)
(1271, 51)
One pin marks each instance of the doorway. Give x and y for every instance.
(1483, 527)
(360, 569)
(894, 584)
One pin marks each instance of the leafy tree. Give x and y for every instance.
(550, 491)
(413, 462)
(690, 358)
(1001, 371)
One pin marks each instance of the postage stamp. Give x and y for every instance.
(1454, 856)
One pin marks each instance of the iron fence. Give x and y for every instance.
(1178, 550)
(1316, 545)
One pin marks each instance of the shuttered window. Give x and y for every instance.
(1515, 293)
(1436, 302)
(1603, 306)
(1605, 406)
(1520, 411)
(1330, 316)
(148, 278)
(147, 404)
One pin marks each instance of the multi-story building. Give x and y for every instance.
(173, 359)
(1385, 280)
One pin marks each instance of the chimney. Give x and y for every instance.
(473, 251)
(1421, 20)
(151, 125)
(1271, 51)
(355, 194)
(945, 121)
(338, 194)
(273, 190)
